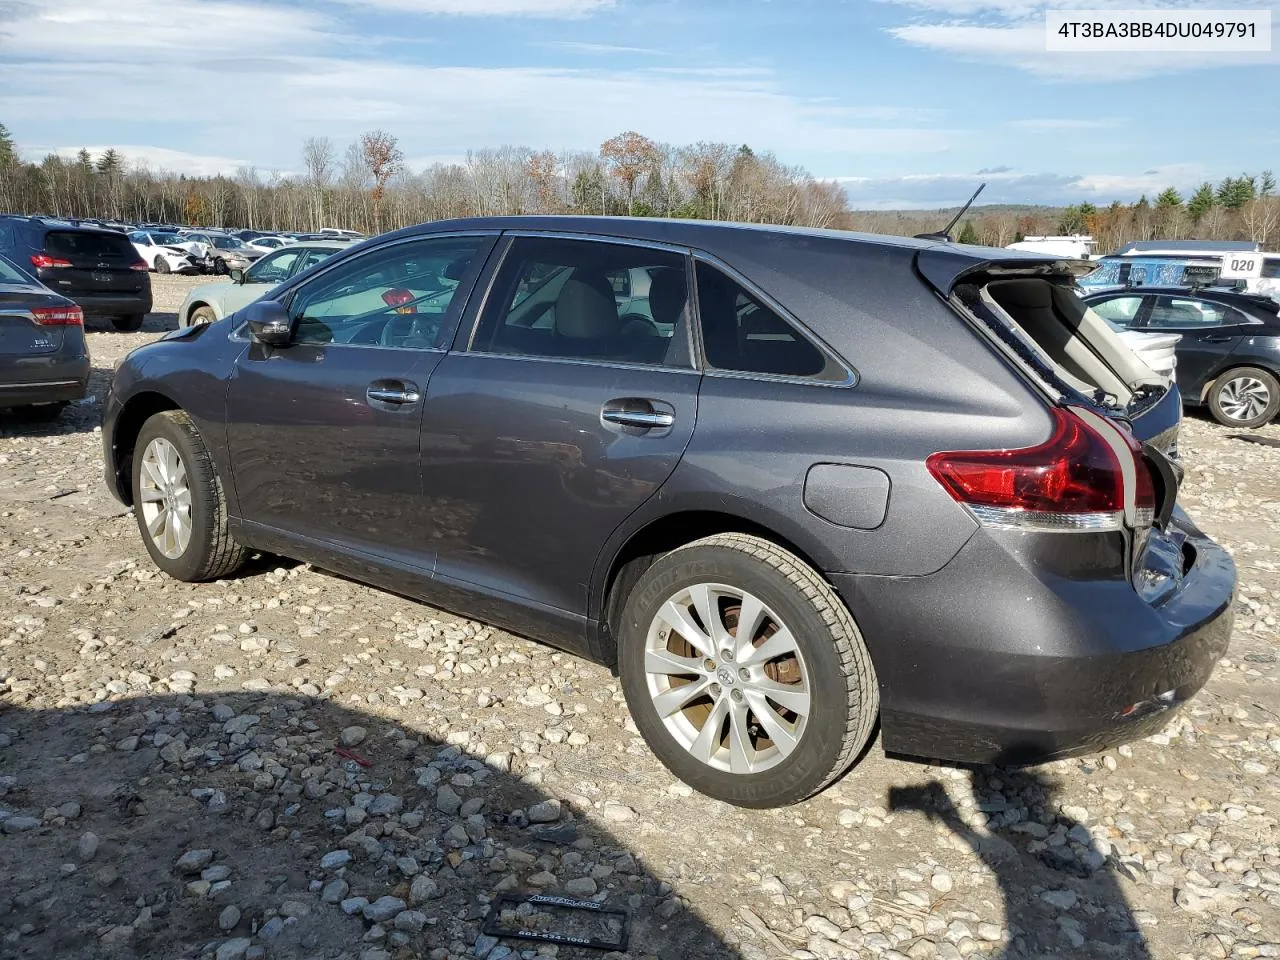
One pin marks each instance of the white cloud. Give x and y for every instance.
(555, 9)
(1012, 32)
(600, 48)
(1004, 185)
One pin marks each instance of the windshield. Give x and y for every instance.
(166, 238)
(227, 243)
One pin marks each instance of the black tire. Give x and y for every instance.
(212, 553)
(201, 315)
(129, 323)
(219, 266)
(845, 697)
(162, 265)
(1229, 390)
(39, 412)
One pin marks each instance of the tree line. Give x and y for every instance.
(368, 187)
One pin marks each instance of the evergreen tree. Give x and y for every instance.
(110, 162)
(968, 234)
(8, 149)
(1169, 199)
(1266, 184)
(1202, 201)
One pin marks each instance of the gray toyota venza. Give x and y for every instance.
(790, 484)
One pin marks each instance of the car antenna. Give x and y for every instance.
(945, 233)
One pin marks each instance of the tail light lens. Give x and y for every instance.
(71, 316)
(139, 265)
(44, 260)
(1074, 481)
(398, 296)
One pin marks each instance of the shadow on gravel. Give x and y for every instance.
(233, 826)
(1060, 895)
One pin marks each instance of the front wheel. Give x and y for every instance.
(745, 672)
(162, 265)
(1245, 397)
(219, 266)
(178, 501)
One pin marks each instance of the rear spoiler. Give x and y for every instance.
(944, 266)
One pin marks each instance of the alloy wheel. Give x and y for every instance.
(727, 678)
(1243, 398)
(165, 496)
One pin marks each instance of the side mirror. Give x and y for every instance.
(237, 275)
(269, 323)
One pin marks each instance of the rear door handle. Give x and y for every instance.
(638, 412)
(398, 392)
(1216, 339)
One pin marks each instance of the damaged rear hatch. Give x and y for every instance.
(1027, 307)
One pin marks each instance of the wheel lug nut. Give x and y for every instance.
(745, 675)
(709, 665)
(726, 656)
(716, 689)
(737, 695)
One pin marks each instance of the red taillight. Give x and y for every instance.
(71, 316)
(44, 260)
(1072, 481)
(139, 265)
(397, 297)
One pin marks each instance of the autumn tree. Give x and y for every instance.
(543, 171)
(383, 157)
(628, 156)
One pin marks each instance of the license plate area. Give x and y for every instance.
(101, 276)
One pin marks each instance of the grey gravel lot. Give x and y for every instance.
(289, 764)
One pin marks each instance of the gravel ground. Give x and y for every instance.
(289, 764)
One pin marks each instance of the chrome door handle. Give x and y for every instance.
(638, 412)
(405, 393)
(638, 418)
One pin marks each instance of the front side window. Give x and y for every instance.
(1121, 312)
(1185, 312)
(273, 268)
(399, 296)
(740, 333)
(311, 257)
(559, 298)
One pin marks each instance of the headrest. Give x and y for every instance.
(586, 309)
(668, 293)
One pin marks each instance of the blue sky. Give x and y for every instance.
(907, 102)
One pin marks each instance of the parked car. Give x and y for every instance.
(162, 252)
(44, 363)
(223, 252)
(98, 269)
(344, 234)
(853, 478)
(210, 302)
(1156, 350)
(268, 243)
(1229, 351)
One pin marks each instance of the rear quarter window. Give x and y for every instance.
(85, 243)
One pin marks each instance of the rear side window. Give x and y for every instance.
(1185, 312)
(87, 243)
(560, 298)
(742, 334)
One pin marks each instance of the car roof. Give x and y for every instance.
(942, 262)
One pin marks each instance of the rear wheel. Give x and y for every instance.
(178, 501)
(1245, 397)
(162, 265)
(39, 412)
(129, 323)
(745, 672)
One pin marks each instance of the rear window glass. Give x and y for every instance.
(86, 243)
(9, 274)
